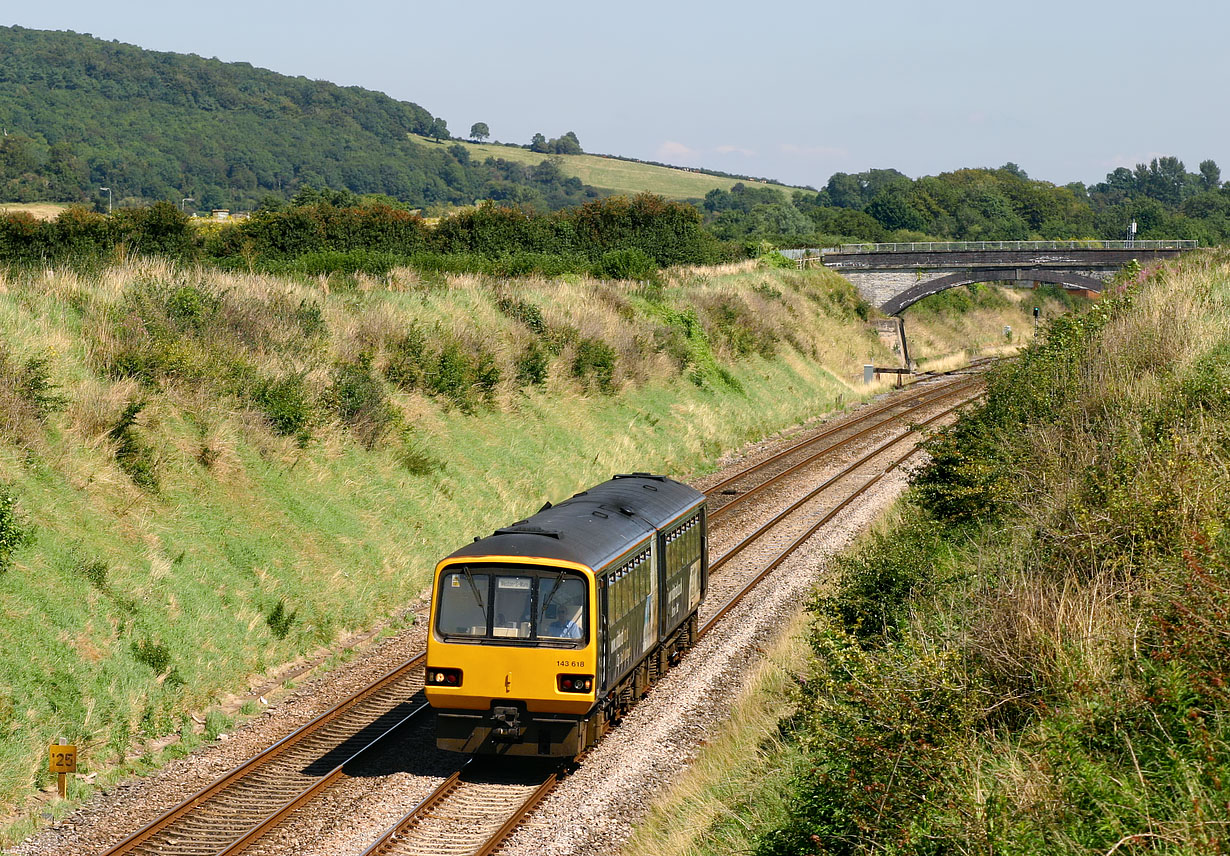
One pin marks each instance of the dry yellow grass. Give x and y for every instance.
(39, 210)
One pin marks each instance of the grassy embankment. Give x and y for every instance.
(618, 176)
(214, 474)
(1033, 654)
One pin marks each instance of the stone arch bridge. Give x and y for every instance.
(895, 276)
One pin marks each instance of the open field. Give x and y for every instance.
(627, 177)
(41, 210)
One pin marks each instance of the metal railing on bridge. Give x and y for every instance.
(980, 246)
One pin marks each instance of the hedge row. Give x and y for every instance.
(616, 233)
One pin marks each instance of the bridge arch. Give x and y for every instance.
(927, 287)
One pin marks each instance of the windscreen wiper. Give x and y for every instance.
(478, 598)
(551, 593)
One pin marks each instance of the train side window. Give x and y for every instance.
(463, 604)
(512, 607)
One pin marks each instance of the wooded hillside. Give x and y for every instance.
(79, 113)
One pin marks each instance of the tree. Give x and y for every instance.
(479, 131)
(538, 143)
(438, 130)
(566, 145)
(1210, 174)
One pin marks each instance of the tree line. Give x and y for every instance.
(1161, 197)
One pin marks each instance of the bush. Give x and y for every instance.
(280, 620)
(287, 405)
(630, 263)
(15, 531)
(152, 654)
(452, 377)
(133, 455)
(523, 312)
(774, 259)
(408, 359)
(532, 366)
(594, 363)
(359, 400)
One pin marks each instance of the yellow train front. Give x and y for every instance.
(547, 631)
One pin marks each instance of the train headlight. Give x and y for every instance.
(443, 677)
(575, 683)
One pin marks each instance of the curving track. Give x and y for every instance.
(475, 809)
(462, 819)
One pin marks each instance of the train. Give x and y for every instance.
(545, 633)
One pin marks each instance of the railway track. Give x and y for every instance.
(457, 819)
(240, 808)
(235, 809)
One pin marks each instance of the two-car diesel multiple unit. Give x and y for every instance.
(545, 632)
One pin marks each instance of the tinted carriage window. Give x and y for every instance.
(512, 607)
(463, 604)
(561, 608)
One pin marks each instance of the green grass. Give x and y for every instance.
(141, 600)
(619, 176)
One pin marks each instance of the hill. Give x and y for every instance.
(81, 113)
(616, 175)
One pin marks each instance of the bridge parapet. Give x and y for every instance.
(1000, 246)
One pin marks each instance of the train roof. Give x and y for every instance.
(595, 526)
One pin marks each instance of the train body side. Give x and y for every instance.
(634, 547)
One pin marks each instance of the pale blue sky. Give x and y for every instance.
(780, 88)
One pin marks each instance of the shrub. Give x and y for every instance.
(408, 359)
(280, 620)
(133, 455)
(452, 377)
(287, 405)
(774, 259)
(629, 263)
(594, 362)
(152, 654)
(15, 531)
(27, 396)
(522, 311)
(486, 376)
(359, 400)
(532, 366)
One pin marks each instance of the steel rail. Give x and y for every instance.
(267, 756)
(800, 540)
(315, 789)
(823, 486)
(916, 403)
(387, 842)
(893, 401)
(390, 838)
(442, 791)
(523, 811)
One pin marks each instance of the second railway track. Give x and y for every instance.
(235, 812)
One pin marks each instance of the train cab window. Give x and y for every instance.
(463, 604)
(561, 608)
(520, 605)
(512, 607)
